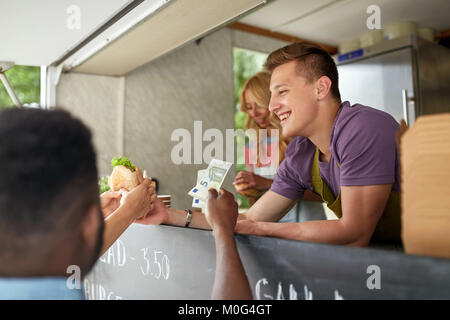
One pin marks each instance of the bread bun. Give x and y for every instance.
(253, 193)
(124, 178)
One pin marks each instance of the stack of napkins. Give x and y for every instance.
(425, 169)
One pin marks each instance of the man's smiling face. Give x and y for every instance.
(293, 100)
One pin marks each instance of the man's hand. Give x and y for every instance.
(156, 216)
(221, 210)
(109, 201)
(140, 200)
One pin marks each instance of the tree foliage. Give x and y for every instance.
(245, 64)
(26, 81)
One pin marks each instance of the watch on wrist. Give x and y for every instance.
(188, 217)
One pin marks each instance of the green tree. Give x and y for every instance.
(245, 64)
(26, 81)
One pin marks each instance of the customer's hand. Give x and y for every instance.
(140, 200)
(109, 202)
(156, 216)
(221, 210)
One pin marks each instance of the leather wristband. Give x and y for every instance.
(188, 217)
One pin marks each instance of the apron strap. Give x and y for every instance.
(321, 188)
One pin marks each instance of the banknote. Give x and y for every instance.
(213, 178)
(196, 202)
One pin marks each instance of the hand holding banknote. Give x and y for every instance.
(213, 178)
(221, 211)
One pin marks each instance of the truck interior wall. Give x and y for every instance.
(98, 101)
(194, 82)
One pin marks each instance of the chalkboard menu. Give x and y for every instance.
(164, 262)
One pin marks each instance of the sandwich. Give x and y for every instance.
(125, 175)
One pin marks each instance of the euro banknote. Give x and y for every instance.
(213, 178)
(196, 202)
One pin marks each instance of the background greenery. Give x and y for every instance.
(26, 82)
(103, 185)
(245, 64)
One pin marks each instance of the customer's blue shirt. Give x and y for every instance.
(39, 288)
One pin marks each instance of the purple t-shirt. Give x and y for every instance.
(363, 143)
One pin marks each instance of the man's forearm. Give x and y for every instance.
(323, 231)
(270, 207)
(230, 280)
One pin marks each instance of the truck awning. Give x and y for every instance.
(108, 37)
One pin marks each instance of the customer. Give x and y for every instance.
(50, 216)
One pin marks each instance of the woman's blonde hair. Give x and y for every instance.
(258, 87)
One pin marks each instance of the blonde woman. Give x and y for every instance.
(258, 177)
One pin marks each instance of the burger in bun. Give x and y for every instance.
(125, 175)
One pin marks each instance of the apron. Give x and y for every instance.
(388, 227)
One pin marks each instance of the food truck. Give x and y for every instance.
(140, 73)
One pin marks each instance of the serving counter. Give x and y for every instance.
(164, 262)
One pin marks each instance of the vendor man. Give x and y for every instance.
(345, 153)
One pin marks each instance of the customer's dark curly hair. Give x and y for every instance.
(48, 178)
